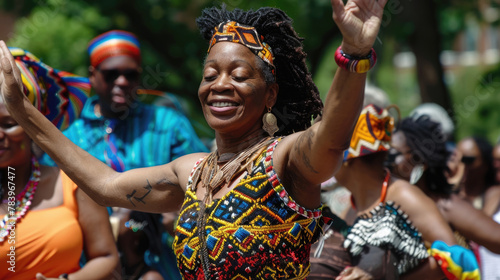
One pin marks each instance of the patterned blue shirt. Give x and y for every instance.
(150, 135)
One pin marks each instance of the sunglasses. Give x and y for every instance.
(468, 159)
(110, 75)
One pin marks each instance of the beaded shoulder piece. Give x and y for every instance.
(388, 227)
(281, 191)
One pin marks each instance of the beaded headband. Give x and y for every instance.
(372, 133)
(232, 31)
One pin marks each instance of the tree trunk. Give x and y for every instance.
(425, 42)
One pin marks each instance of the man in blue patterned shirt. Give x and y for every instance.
(114, 126)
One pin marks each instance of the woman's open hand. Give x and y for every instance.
(359, 21)
(11, 86)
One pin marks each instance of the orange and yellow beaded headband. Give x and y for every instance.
(231, 31)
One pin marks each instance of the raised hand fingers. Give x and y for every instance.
(6, 58)
(10, 77)
(6, 53)
(338, 9)
(382, 3)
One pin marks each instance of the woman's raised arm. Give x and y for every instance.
(156, 189)
(317, 152)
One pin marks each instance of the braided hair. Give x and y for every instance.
(428, 146)
(298, 101)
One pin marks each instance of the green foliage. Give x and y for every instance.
(58, 31)
(59, 34)
(477, 102)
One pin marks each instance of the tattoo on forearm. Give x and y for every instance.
(129, 197)
(140, 199)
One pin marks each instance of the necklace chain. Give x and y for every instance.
(21, 206)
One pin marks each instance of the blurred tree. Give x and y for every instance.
(173, 51)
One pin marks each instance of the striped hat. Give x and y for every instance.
(113, 43)
(372, 133)
(59, 95)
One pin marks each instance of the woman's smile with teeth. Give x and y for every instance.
(224, 104)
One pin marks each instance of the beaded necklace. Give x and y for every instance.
(21, 205)
(213, 179)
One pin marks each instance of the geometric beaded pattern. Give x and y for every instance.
(372, 132)
(251, 232)
(388, 227)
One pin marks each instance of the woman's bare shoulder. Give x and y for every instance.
(402, 189)
(409, 197)
(184, 166)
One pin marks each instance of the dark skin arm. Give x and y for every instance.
(314, 155)
(422, 211)
(472, 223)
(99, 244)
(492, 201)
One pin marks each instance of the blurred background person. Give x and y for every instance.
(380, 242)
(419, 143)
(490, 261)
(476, 155)
(54, 220)
(492, 203)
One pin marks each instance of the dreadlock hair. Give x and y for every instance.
(486, 150)
(428, 146)
(298, 100)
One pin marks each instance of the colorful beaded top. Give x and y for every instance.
(255, 231)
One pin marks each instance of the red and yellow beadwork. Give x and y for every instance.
(251, 232)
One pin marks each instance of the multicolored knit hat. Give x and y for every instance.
(113, 43)
(59, 95)
(372, 133)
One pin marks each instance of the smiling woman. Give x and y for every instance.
(252, 207)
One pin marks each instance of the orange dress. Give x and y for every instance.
(49, 241)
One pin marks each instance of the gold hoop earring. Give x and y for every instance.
(270, 123)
